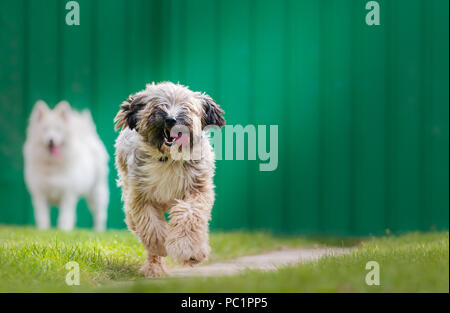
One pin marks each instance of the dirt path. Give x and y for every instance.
(265, 262)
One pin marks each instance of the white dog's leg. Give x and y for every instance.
(98, 203)
(67, 213)
(41, 212)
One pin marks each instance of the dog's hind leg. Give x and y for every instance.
(41, 212)
(98, 203)
(67, 212)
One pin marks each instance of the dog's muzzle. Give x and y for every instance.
(172, 136)
(169, 122)
(169, 139)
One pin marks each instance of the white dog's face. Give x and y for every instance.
(50, 127)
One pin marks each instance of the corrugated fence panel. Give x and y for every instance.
(336, 43)
(13, 82)
(267, 41)
(111, 87)
(234, 60)
(440, 113)
(362, 111)
(303, 118)
(407, 96)
(368, 124)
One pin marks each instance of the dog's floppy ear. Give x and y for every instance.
(212, 112)
(127, 115)
(63, 109)
(39, 110)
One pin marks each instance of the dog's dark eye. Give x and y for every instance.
(158, 111)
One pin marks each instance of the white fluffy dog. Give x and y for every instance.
(65, 160)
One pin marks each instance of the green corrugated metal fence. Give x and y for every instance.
(362, 110)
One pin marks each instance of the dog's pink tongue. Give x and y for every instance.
(55, 151)
(182, 139)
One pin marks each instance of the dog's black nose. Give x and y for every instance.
(170, 121)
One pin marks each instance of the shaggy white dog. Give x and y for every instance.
(153, 181)
(65, 160)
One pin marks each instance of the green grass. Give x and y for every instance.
(410, 263)
(32, 260)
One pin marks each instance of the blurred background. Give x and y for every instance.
(362, 110)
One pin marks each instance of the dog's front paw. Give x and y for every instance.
(153, 269)
(187, 251)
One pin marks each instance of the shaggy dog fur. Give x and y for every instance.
(153, 182)
(65, 160)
